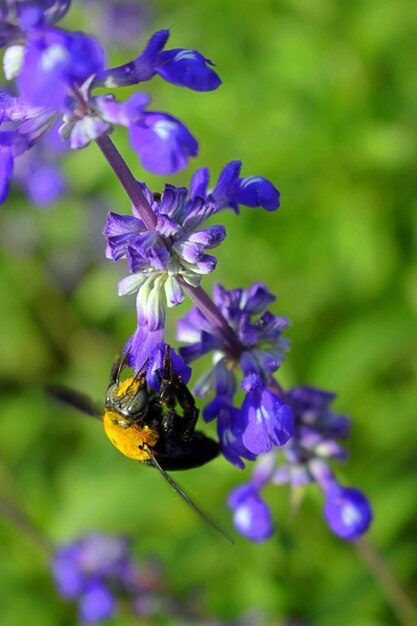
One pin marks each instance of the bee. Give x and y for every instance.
(155, 428)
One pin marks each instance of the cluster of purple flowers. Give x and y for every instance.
(68, 66)
(165, 260)
(303, 460)
(98, 569)
(264, 420)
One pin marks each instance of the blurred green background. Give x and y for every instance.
(320, 98)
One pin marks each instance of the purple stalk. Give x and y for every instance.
(130, 184)
(206, 305)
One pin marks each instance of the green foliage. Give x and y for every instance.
(320, 98)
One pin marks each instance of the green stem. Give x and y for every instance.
(396, 596)
(23, 524)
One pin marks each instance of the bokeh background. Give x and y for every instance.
(320, 98)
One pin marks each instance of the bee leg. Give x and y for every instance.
(117, 367)
(169, 422)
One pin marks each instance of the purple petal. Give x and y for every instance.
(209, 237)
(187, 68)
(347, 512)
(67, 573)
(255, 191)
(58, 59)
(221, 194)
(199, 182)
(251, 516)
(172, 202)
(255, 299)
(229, 429)
(162, 143)
(45, 185)
(142, 344)
(123, 113)
(96, 604)
(155, 365)
(139, 70)
(6, 172)
(269, 421)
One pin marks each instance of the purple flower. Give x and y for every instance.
(231, 190)
(17, 17)
(38, 171)
(119, 22)
(304, 459)
(56, 72)
(269, 421)
(251, 516)
(54, 62)
(347, 512)
(96, 604)
(186, 68)
(162, 143)
(178, 250)
(94, 568)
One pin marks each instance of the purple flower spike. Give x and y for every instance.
(162, 143)
(251, 516)
(347, 512)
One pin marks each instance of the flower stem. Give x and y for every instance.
(130, 184)
(206, 305)
(21, 522)
(396, 596)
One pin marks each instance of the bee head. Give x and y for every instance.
(129, 397)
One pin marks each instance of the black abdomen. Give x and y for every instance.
(174, 453)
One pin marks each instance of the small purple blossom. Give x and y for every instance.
(251, 515)
(347, 512)
(304, 459)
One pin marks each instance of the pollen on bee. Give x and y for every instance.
(130, 385)
(129, 440)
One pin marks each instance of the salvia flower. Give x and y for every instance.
(119, 22)
(97, 570)
(56, 72)
(304, 460)
(264, 420)
(178, 249)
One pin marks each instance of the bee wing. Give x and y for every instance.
(76, 399)
(186, 497)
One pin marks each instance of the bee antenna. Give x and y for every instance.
(184, 496)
